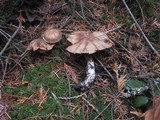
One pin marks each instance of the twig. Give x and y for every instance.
(91, 105)
(147, 40)
(54, 96)
(128, 52)
(88, 20)
(102, 111)
(5, 69)
(85, 20)
(136, 60)
(6, 35)
(4, 73)
(63, 24)
(2, 66)
(68, 98)
(143, 19)
(105, 69)
(113, 29)
(10, 39)
(16, 63)
(83, 16)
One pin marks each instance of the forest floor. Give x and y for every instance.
(36, 86)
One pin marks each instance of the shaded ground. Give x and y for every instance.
(41, 86)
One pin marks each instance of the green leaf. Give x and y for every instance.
(139, 101)
(134, 83)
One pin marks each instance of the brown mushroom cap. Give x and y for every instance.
(88, 42)
(40, 45)
(52, 36)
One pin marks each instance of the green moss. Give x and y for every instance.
(38, 76)
(42, 75)
(20, 112)
(21, 90)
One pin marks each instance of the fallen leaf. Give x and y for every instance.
(71, 71)
(138, 114)
(121, 81)
(116, 68)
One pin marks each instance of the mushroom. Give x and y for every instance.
(47, 42)
(88, 42)
(52, 35)
(40, 45)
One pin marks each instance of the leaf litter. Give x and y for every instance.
(135, 49)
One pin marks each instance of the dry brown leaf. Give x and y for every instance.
(22, 100)
(156, 24)
(88, 42)
(71, 71)
(39, 97)
(41, 94)
(116, 68)
(52, 35)
(121, 81)
(16, 83)
(138, 114)
(40, 45)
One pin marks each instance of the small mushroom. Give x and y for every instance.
(47, 42)
(40, 45)
(88, 42)
(52, 36)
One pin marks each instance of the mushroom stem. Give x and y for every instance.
(90, 75)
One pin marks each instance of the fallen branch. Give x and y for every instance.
(145, 37)
(10, 39)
